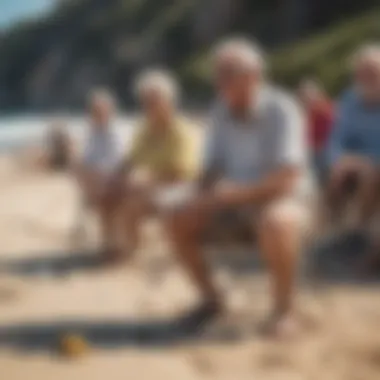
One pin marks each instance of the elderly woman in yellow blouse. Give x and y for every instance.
(163, 155)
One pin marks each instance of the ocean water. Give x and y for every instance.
(21, 131)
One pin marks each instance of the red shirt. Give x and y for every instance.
(320, 120)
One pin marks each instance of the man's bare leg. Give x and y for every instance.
(369, 203)
(334, 200)
(108, 227)
(185, 229)
(134, 210)
(279, 238)
(355, 184)
(367, 195)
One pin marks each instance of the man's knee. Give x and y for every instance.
(109, 201)
(184, 223)
(281, 216)
(179, 221)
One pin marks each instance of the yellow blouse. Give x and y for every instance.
(173, 153)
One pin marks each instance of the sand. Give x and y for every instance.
(341, 340)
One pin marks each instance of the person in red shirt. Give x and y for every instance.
(320, 115)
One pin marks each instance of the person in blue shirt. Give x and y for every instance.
(353, 153)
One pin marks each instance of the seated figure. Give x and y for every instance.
(102, 154)
(255, 166)
(354, 147)
(163, 158)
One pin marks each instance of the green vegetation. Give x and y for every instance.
(54, 61)
(326, 56)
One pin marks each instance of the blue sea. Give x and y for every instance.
(20, 131)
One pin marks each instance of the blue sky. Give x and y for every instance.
(15, 10)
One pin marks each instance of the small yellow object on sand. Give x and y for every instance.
(73, 345)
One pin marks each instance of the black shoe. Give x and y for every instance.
(197, 319)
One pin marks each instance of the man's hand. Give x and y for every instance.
(141, 178)
(228, 193)
(350, 163)
(275, 185)
(115, 186)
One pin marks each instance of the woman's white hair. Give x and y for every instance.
(158, 81)
(103, 96)
(242, 52)
(369, 53)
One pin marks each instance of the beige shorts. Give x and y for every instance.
(296, 210)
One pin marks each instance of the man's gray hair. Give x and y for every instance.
(365, 54)
(248, 55)
(159, 81)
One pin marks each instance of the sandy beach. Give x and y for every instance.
(52, 287)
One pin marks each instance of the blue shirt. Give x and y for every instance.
(356, 131)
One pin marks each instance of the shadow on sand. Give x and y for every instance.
(113, 334)
(338, 259)
(239, 259)
(54, 264)
(332, 259)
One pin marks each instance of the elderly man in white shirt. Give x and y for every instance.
(102, 155)
(255, 165)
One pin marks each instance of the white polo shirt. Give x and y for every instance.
(103, 150)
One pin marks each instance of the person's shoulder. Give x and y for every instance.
(279, 98)
(90, 137)
(185, 127)
(282, 102)
(184, 122)
(140, 128)
(217, 109)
